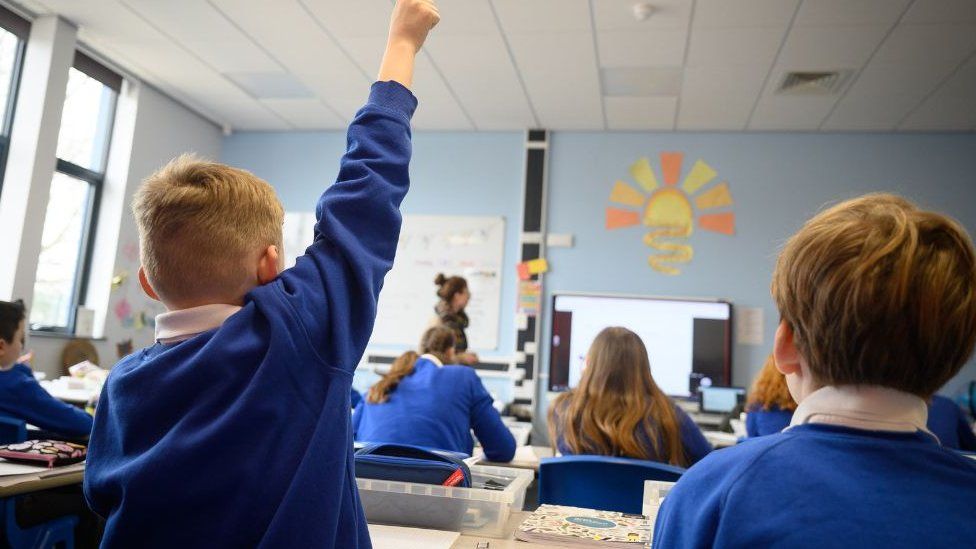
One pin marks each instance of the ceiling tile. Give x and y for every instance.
(543, 15)
(805, 113)
(880, 80)
(305, 114)
(622, 48)
(734, 46)
(640, 113)
(823, 48)
(489, 90)
(304, 48)
(744, 13)
(870, 113)
(942, 112)
(719, 98)
(437, 108)
(943, 45)
(201, 29)
(570, 97)
(345, 18)
(619, 15)
(849, 13)
(465, 18)
(942, 11)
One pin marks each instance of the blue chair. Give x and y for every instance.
(12, 430)
(59, 532)
(600, 482)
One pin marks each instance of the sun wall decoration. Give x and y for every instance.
(667, 210)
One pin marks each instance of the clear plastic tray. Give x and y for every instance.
(475, 511)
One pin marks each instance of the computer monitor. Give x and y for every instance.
(720, 400)
(688, 340)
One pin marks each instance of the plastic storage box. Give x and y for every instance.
(474, 510)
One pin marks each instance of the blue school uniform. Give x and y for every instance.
(437, 407)
(695, 445)
(22, 397)
(240, 436)
(355, 398)
(825, 485)
(760, 422)
(947, 422)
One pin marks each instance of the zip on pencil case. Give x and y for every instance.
(406, 463)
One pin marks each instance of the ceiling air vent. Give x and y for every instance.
(813, 83)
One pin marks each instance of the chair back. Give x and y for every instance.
(12, 430)
(600, 482)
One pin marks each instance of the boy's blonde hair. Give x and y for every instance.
(202, 228)
(880, 292)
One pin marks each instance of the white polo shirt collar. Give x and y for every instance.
(176, 326)
(433, 359)
(867, 407)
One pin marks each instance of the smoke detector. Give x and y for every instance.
(643, 10)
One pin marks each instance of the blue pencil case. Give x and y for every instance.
(406, 463)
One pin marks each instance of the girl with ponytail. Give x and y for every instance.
(453, 296)
(427, 400)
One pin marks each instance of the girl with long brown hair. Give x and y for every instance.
(769, 408)
(618, 409)
(427, 400)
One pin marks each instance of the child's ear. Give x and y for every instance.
(269, 265)
(144, 282)
(784, 350)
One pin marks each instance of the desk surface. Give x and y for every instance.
(11, 485)
(526, 457)
(471, 542)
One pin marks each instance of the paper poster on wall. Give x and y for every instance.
(670, 212)
(468, 246)
(529, 297)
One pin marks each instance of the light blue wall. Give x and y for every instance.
(451, 174)
(777, 182)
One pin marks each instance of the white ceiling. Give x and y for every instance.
(516, 64)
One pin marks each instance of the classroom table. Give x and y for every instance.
(37, 479)
(509, 542)
(526, 457)
(60, 389)
(721, 439)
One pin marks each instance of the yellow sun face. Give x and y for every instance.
(667, 210)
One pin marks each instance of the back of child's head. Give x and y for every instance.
(12, 313)
(437, 341)
(879, 292)
(203, 227)
(769, 390)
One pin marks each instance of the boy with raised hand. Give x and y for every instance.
(233, 430)
(878, 306)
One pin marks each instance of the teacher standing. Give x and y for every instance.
(453, 297)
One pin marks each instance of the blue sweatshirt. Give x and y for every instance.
(241, 436)
(22, 397)
(355, 398)
(437, 407)
(695, 445)
(819, 485)
(947, 422)
(761, 422)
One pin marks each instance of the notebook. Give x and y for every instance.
(577, 527)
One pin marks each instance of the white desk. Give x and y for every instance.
(69, 391)
(721, 439)
(509, 542)
(34, 480)
(526, 457)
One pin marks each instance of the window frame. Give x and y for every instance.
(19, 27)
(96, 182)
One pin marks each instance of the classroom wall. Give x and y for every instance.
(482, 177)
(777, 180)
(163, 129)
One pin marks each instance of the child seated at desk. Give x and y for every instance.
(770, 407)
(430, 401)
(21, 396)
(878, 305)
(233, 429)
(618, 409)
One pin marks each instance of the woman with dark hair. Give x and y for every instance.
(453, 296)
(424, 400)
(618, 410)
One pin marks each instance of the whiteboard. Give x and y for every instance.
(472, 247)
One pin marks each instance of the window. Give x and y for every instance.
(13, 36)
(69, 224)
